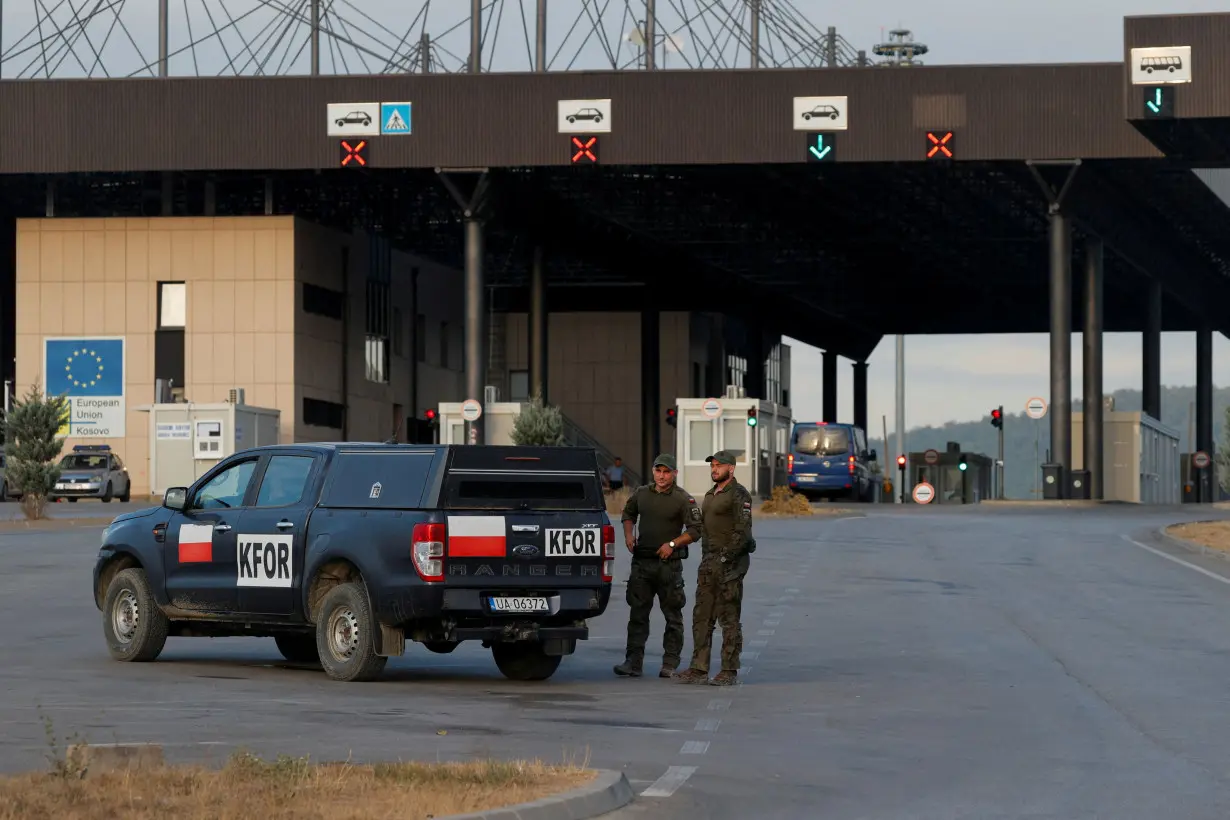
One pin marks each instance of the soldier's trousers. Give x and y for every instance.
(652, 577)
(719, 600)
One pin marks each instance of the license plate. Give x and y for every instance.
(807, 478)
(579, 543)
(519, 604)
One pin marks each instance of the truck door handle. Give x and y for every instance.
(285, 525)
(222, 528)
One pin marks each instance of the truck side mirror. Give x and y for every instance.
(176, 498)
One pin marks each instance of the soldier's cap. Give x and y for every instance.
(665, 460)
(722, 457)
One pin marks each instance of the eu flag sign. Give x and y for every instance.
(90, 372)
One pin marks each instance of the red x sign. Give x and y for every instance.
(938, 145)
(353, 155)
(584, 149)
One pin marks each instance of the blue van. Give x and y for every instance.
(830, 460)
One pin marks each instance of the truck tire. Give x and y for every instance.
(524, 660)
(298, 648)
(345, 635)
(135, 628)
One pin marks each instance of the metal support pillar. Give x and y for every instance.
(754, 31)
(1060, 236)
(1092, 367)
(168, 194)
(315, 36)
(540, 37)
(476, 36)
(860, 397)
(1151, 353)
(415, 352)
(476, 331)
(1204, 412)
(163, 18)
(651, 15)
(830, 47)
(425, 53)
(828, 386)
(651, 378)
(538, 325)
(900, 410)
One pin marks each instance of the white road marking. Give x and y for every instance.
(1179, 561)
(669, 783)
(747, 656)
(695, 747)
(773, 622)
(708, 724)
(758, 642)
(792, 591)
(766, 632)
(745, 670)
(719, 705)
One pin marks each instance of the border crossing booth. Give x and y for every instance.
(756, 431)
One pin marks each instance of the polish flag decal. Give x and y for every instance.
(196, 543)
(476, 536)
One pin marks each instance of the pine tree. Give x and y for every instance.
(538, 425)
(31, 446)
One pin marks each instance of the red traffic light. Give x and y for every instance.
(997, 414)
(430, 414)
(900, 461)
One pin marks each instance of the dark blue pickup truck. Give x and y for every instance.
(343, 552)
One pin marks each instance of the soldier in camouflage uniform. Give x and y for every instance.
(725, 559)
(665, 510)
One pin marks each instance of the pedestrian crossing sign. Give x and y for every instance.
(395, 118)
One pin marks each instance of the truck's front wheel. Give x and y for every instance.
(135, 628)
(346, 635)
(524, 660)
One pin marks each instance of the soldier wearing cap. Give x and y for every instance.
(725, 558)
(665, 510)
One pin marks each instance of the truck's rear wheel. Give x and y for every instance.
(524, 660)
(135, 628)
(346, 635)
(298, 648)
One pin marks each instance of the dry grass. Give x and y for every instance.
(785, 502)
(248, 787)
(1214, 535)
(616, 500)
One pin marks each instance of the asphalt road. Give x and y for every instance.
(922, 663)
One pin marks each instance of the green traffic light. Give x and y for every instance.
(963, 466)
(751, 422)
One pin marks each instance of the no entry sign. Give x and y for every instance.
(923, 493)
(1201, 459)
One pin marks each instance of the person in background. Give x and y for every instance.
(615, 475)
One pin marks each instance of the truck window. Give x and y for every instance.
(284, 481)
(521, 491)
(823, 441)
(381, 479)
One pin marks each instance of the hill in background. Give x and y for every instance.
(1026, 441)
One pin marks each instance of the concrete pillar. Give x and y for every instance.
(476, 325)
(1092, 368)
(538, 325)
(1151, 352)
(651, 378)
(860, 396)
(1061, 346)
(828, 386)
(1204, 408)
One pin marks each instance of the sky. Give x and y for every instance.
(948, 378)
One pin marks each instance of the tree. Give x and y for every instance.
(1221, 461)
(538, 425)
(31, 446)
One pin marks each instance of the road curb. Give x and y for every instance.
(52, 524)
(1190, 546)
(609, 791)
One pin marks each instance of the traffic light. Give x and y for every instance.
(670, 416)
(962, 465)
(430, 416)
(751, 417)
(997, 417)
(901, 462)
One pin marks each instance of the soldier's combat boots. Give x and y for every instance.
(724, 678)
(691, 676)
(666, 671)
(628, 669)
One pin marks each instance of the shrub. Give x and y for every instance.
(538, 425)
(31, 445)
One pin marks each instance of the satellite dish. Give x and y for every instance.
(636, 36)
(674, 44)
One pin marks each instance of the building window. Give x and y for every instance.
(320, 413)
(323, 301)
(736, 368)
(169, 336)
(519, 385)
(172, 305)
(444, 345)
(376, 346)
(420, 337)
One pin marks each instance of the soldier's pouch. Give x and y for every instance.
(735, 569)
(750, 547)
(681, 552)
